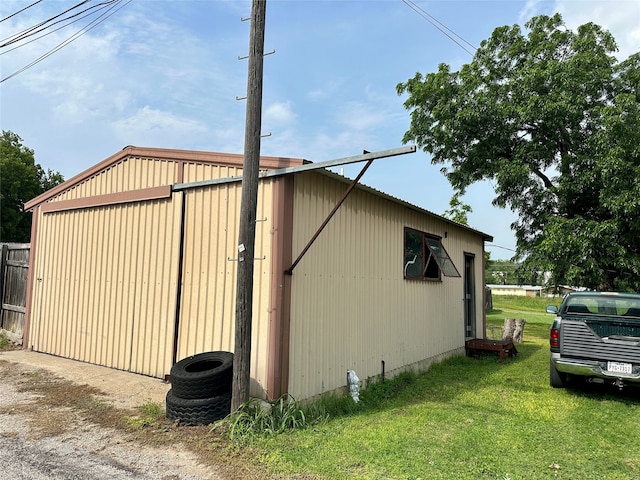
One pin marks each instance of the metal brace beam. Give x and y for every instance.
(289, 271)
(302, 168)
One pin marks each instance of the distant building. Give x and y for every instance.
(519, 290)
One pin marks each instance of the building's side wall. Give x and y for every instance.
(351, 307)
(207, 320)
(105, 285)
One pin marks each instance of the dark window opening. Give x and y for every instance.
(425, 258)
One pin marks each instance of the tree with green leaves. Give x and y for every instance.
(504, 272)
(458, 211)
(553, 120)
(21, 179)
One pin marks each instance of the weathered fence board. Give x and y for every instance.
(14, 269)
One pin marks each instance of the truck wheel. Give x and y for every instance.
(204, 375)
(556, 379)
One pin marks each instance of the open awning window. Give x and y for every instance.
(442, 258)
(425, 258)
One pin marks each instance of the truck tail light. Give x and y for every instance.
(554, 338)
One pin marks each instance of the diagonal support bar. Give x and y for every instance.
(289, 271)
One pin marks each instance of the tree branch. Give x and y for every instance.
(543, 177)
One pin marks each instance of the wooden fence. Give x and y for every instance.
(14, 267)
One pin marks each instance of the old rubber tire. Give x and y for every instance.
(204, 375)
(556, 379)
(198, 411)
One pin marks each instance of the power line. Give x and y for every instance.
(439, 26)
(48, 33)
(25, 33)
(109, 5)
(498, 246)
(20, 11)
(42, 26)
(73, 37)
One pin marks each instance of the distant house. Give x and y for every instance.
(133, 266)
(520, 290)
(561, 290)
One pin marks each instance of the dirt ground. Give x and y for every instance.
(123, 389)
(63, 419)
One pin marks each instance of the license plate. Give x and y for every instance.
(617, 367)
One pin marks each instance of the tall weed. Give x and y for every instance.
(5, 343)
(259, 417)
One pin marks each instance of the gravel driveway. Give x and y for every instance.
(81, 450)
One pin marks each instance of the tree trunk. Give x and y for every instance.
(509, 327)
(519, 330)
(488, 302)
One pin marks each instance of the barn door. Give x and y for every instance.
(469, 296)
(105, 284)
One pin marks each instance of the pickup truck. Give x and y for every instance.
(596, 336)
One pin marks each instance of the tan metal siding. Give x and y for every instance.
(130, 174)
(194, 172)
(351, 307)
(209, 274)
(105, 285)
(108, 273)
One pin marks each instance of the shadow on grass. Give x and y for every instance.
(445, 381)
(582, 388)
(455, 376)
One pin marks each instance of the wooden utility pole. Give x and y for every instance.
(248, 207)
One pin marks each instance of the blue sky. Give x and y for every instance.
(165, 73)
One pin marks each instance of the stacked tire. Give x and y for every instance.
(200, 388)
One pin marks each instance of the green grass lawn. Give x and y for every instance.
(475, 418)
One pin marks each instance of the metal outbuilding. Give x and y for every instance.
(132, 267)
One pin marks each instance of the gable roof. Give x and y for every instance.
(283, 165)
(183, 156)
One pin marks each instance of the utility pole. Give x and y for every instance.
(248, 207)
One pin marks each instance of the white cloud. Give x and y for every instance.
(149, 126)
(326, 90)
(359, 116)
(279, 113)
(317, 145)
(531, 9)
(327, 147)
